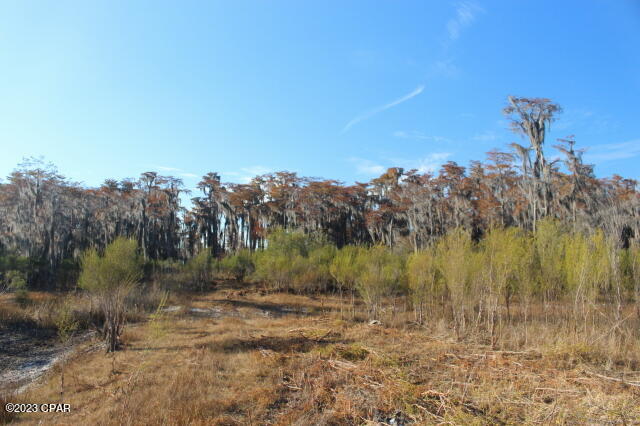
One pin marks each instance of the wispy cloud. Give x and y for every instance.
(188, 175)
(176, 171)
(414, 134)
(466, 13)
(245, 174)
(167, 169)
(613, 151)
(445, 68)
(371, 113)
(428, 163)
(367, 167)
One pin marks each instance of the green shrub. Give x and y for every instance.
(293, 242)
(455, 259)
(274, 269)
(425, 285)
(109, 278)
(294, 261)
(16, 281)
(12, 262)
(345, 269)
(382, 275)
(549, 240)
(236, 266)
(588, 270)
(505, 258)
(312, 273)
(198, 269)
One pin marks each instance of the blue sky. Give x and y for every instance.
(335, 89)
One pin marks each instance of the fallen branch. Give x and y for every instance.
(342, 365)
(558, 390)
(613, 379)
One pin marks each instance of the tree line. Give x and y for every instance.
(47, 221)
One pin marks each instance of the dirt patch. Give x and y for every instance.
(264, 309)
(27, 354)
(238, 309)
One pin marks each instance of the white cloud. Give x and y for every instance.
(613, 151)
(367, 167)
(167, 169)
(429, 163)
(371, 113)
(245, 174)
(176, 171)
(465, 15)
(188, 175)
(256, 170)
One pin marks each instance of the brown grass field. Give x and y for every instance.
(243, 357)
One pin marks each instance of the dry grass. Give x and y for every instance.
(246, 358)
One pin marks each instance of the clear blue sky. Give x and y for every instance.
(335, 89)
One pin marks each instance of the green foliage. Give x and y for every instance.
(294, 260)
(587, 265)
(293, 242)
(549, 241)
(344, 267)
(381, 275)
(16, 281)
(504, 256)
(236, 266)
(423, 278)
(109, 278)
(14, 271)
(15, 263)
(311, 273)
(198, 269)
(506, 261)
(455, 259)
(119, 267)
(273, 269)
